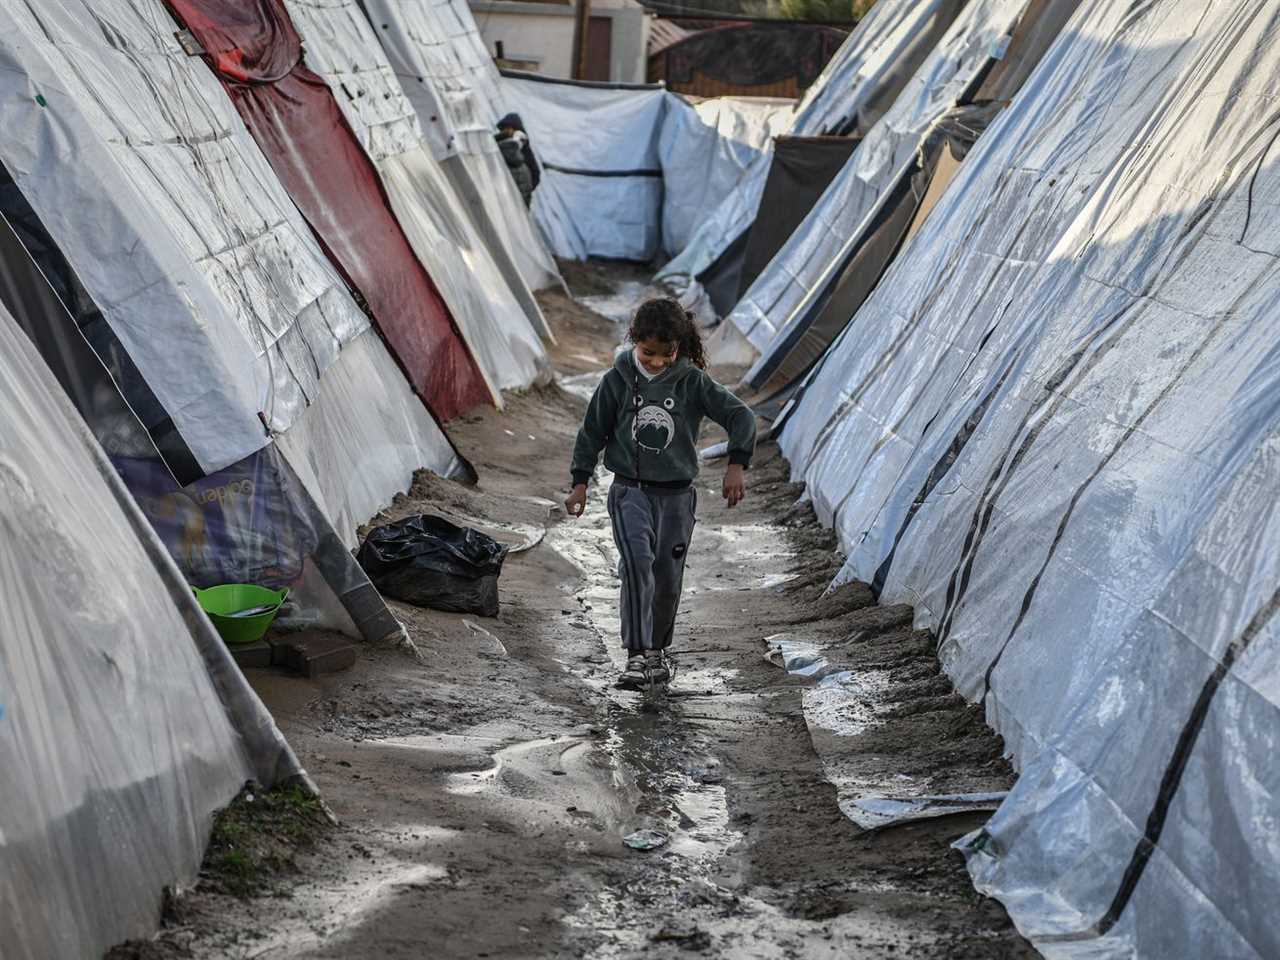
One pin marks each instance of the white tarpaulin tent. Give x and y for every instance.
(452, 82)
(341, 46)
(1053, 430)
(628, 169)
(705, 149)
(170, 212)
(597, 143)
(801, 267)
(862, 80)
(124, 723)
(205, 273)
(252, 522)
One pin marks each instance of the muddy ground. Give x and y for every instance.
(483, 787)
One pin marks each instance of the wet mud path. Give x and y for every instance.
(484, 783)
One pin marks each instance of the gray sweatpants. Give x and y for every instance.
(651, 529)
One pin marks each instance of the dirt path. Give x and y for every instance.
(484, 787)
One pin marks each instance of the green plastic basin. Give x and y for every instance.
(229, 606)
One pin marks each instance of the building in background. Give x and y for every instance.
(537, 36)
(664, 33)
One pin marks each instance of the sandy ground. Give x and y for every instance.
(484, 786)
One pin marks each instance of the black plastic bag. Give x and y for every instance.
(430, 562)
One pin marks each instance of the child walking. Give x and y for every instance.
(645, 415)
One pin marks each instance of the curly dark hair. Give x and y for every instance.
(663, 318)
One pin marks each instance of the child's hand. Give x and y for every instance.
(735, 484)
(577, 501)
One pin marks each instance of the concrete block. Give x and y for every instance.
(251, 655)
(312, 653)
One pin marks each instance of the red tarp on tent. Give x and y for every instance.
(256, 52)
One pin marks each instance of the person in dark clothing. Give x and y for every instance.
(513, 141)
(509, 143)
(645, 417)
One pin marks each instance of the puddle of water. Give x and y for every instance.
(703, 681)
(676, 781)
(582, 385)
(550, 776)
(709, 837)
(683, 798)
(773, 580)
(331, 913)
(621, 304)
(843, 705)
(739, 926)
(747, 557)
(602, 916)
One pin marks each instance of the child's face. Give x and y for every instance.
(655, 355)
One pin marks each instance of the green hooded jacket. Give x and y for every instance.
(648, 429)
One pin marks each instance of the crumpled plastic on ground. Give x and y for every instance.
(646, 840)
(801, 657)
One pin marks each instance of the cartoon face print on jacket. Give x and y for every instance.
(654, 426)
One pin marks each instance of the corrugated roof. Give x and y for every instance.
(664, 33)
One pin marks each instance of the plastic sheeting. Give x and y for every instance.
(629, 169)
(342, 47)
(704, 149)
(838, 289)
(725, 225)
(1053, 430)
(801, 169)
(124, 723)
(251, 522)
(846, 712)
(897, 216)
(873, 66)
(132, 156)
(255, 51)
(801, 267)
(1035, 34)
(350, 483)
(169, 295)
(862, 79)
(453, 84)
(598, 144)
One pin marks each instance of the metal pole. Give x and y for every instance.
(581, 16)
